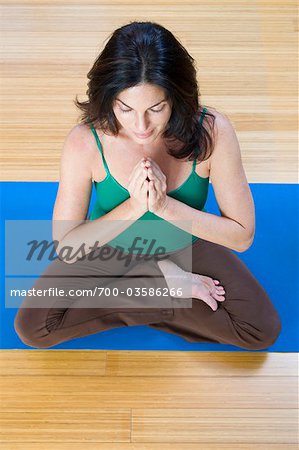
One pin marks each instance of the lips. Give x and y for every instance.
(143, 135)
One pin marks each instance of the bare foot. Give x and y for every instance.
(187, 284)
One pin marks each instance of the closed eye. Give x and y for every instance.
(152, 110)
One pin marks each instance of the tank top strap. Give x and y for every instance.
(200, 123)
(99, 145)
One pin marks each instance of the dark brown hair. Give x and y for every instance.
(146, 52)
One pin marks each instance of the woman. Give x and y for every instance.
(150, 148)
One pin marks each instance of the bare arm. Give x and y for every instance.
(236, 226)
(69, 225)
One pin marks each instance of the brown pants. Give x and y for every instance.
(247, 318)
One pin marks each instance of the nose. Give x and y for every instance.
(142, 125)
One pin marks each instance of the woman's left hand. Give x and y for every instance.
(157, 198)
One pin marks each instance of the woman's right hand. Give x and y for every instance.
(138, 188)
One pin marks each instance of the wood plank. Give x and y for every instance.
(52, 392)
(150, 363)
(201, 364)
(53, 362)
(97, 425)
(143, 446)
(215, 425)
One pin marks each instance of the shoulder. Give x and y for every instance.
(226, 155)
(220, 128)
(78, 142)
(77, 152)
(221, 120)
(79, 136)
(223, 130)
(223, 126)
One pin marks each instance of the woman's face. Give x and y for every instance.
(142, 110)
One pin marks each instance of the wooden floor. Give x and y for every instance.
(148, 400)
(246, 55)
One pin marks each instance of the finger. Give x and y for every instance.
(138, 177)
(141, 179)
(211, 303)
(210, 284)
(136, 168)
(218, 288)
(155, 171)
(154, 174)
(156, 185)
(151, 185)
(220, 291)
(149, 159)
(140, 163)
(151, 163)
(141, 184)
(151, 190)
(144, 186)
(219, 298)
(145, 162)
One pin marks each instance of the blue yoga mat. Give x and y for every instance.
(272, 259)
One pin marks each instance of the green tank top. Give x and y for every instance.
(110, 193)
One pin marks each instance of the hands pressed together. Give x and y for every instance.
(150, 195)
(147, 187)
